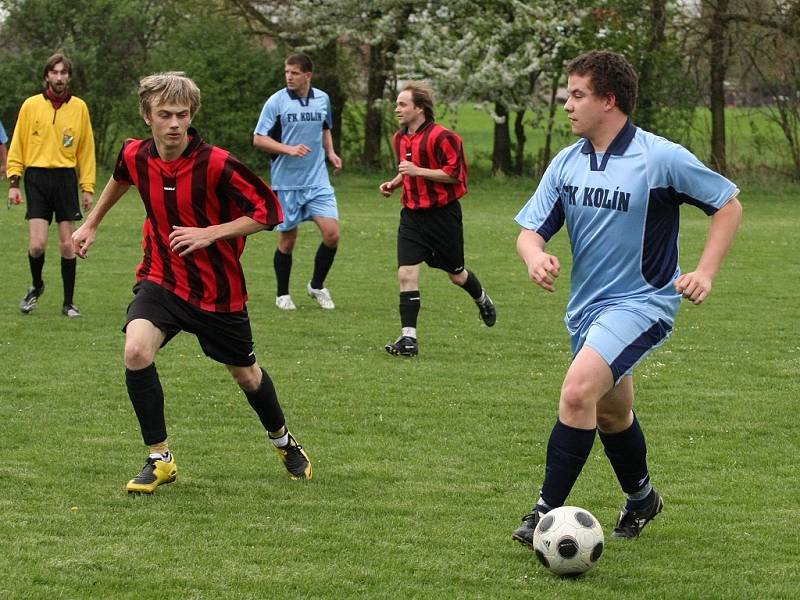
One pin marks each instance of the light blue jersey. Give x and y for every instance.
(622, 211)
(292, 120)
(3, 135)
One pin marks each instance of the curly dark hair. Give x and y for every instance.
(610, 73)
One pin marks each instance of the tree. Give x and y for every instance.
(494, 52)
(371, 31)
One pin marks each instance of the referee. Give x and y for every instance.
(433, 174)
(53, 135)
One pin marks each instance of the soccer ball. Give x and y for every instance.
(568, 540)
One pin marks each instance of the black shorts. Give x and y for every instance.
(434, 236)
(49, 191)
(224, 337)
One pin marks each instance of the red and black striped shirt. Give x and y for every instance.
(431, 147)
(205, 186)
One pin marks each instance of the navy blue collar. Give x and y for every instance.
(617, 146)
(303, 101)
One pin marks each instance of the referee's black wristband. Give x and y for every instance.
(13, 181)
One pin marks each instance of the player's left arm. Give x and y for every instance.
(696, 285)
(184, 240)
(327, 144)
(87, 165)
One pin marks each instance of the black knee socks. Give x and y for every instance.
(409, 308)
(265, 402)
(323, 261)
(627, 451)
(567, 452)
(147, 397)
(283, 269)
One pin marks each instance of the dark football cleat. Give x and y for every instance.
(524, 533)
(631, 522)
(487, 309)
(31, 299)
(70, 311)
(295, 459)
(404, 346)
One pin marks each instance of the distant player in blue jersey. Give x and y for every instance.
(618, 190)
(295, 127)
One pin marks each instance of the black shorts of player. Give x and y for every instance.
(434, 236)
(224, 337)
(49, 191)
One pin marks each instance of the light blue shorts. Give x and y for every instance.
(623, 336)
(305, 204)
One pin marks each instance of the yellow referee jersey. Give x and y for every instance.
(49, 138)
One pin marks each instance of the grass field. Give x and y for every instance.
(422, 467)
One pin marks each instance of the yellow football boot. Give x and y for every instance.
(154, 473)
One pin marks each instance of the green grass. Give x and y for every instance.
(423, 466)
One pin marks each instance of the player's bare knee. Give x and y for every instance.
(609, 422)
(36, 248)
(407, 276)
(331, 239)
(66, 249)
(247, 378)
(576, 397)
(459, 278)
(137, 355)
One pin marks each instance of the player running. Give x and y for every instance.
(432, 171)
(201, 203)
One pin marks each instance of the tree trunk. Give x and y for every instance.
(718, 63)
(519, 134)
(373, 121)
(648, 73)
(327, 79)
(551, 118)
(501, 152)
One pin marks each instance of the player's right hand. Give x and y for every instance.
(14, 196)
(299, 151)
(543, 271)
(82, 238)
(386, 188)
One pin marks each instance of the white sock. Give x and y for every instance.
(410, 332)
(280, 442)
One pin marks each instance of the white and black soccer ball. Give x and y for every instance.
(568, 540)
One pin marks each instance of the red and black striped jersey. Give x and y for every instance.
(432, 147)
(205, 186)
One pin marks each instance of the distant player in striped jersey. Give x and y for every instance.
(200, 205)
(618, 191)
(432, 171)
(295, 127)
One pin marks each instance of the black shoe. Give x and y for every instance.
(70, 311)
(31, 299)
(295, 459)
(487, 310)
(524, 533)
(404, 346)
(631, 522)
